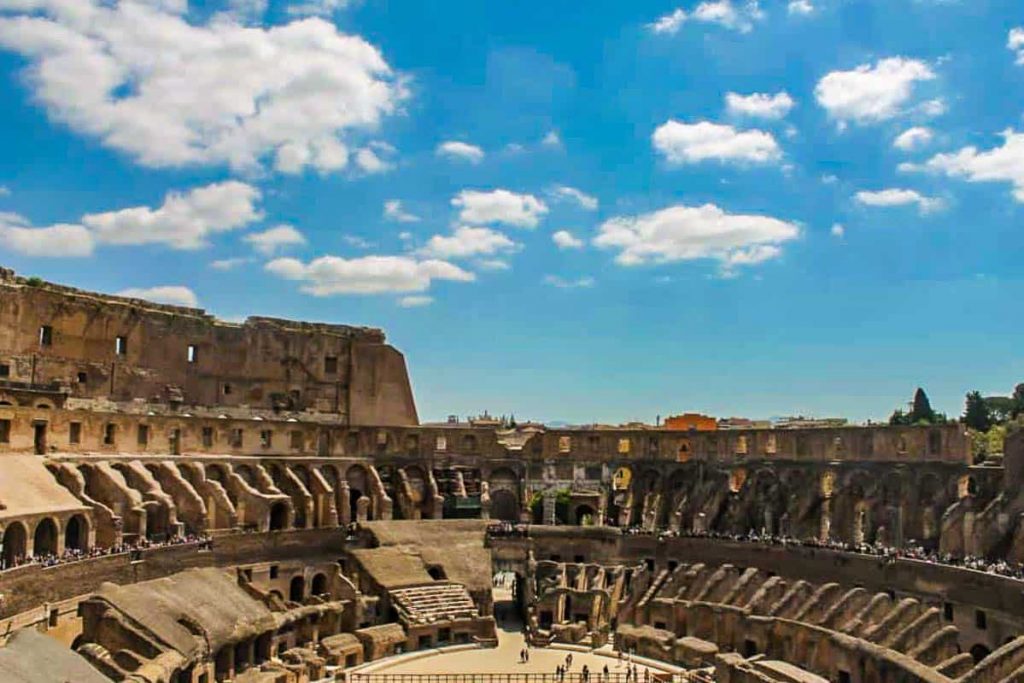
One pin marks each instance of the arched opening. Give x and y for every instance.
(319, 585)
(436, 572)
(278, 516)
(45, 538)
(979, 652)
(15, 539)
(297, 589)
(504, 506)
(357, 483)
(76, 533)
(585, 515)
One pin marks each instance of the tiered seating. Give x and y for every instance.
(434, 602)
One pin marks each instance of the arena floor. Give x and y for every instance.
(505, 658)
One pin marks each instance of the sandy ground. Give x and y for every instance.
(505, 658)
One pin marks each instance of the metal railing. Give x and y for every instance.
(570, 677)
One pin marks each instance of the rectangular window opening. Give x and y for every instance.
(121, 346)
(331, 365)
(5, 370)
(109, 434)
(75, 433)
(296, 440)
(5, 431)
(207, 437)
(143, 435)
(46, 335)
(193, 353)
(266, 438)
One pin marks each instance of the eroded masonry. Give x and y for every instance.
(186, 500)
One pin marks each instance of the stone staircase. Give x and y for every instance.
(433, 602)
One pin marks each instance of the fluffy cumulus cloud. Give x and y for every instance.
(185, 220)
(565, 283)
(454, 149)
(686, 233)
(564, 192)
(738, 16)
(333, 275)
(176, 295)
(760, 105)
(871, 93)
(564, 239)
(467, 241)
(499, 206)
(146, 81)
(690, 143)
(54, 241)
(800, 7)
(999, 164)
(276, 238)
(1015, 42)
(894, 196)
(913, 138)
(838, 230)
(394, 211)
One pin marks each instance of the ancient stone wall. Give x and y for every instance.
(98, 346)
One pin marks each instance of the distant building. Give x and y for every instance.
(691, 422)
(743, 423)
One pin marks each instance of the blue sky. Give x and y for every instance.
(572, 211)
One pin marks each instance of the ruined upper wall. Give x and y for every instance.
(108, 347)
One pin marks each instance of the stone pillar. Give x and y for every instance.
(362, 508)
(344, 503)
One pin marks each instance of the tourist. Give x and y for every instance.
(586, 673)
(605, 672)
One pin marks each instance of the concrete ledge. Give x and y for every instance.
(368, 667)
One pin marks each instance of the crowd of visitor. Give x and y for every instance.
(201, 541)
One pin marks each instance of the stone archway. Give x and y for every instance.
(76, 533)
(319, 585)
(44, 540)
(504, 506)
(297, 589)
(584, 515)
(15, 540)
(278, 516)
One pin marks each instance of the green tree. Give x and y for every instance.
(976, 412)
(1000, 408)
(921, 411)
(898, 418)
(1018, 399)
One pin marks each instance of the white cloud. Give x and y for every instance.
(371, 159)
(899, 197)
(271, 240)
(453, 149)
(721, 12)
(869, 93)
(5, 191)
(829, 179)
(499, 206)
(492, 264)
(331, 275)
(552, 139)
(562, 283)
(175, 295)
(802, 7)
(566, 240)
(585, 200)
(760, 105)
(685, 143)
(415, 301)
(838, 230)
(466, 241)
(55, 241)
(999, 164)
(932, 108)
(913, 138)
(1015, 42)
(316, 8)
(169, 92)
(229, 263)
(686, 233)
(669, 23)
(394, 211)
(184, 220)
(357, 242)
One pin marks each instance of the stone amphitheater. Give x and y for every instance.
(187, 500)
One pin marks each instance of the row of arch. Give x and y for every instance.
(45, 537)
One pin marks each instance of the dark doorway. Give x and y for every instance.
(45, 538)
(40, 437)
(76, 533)
(278, 516)
(297, 589)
